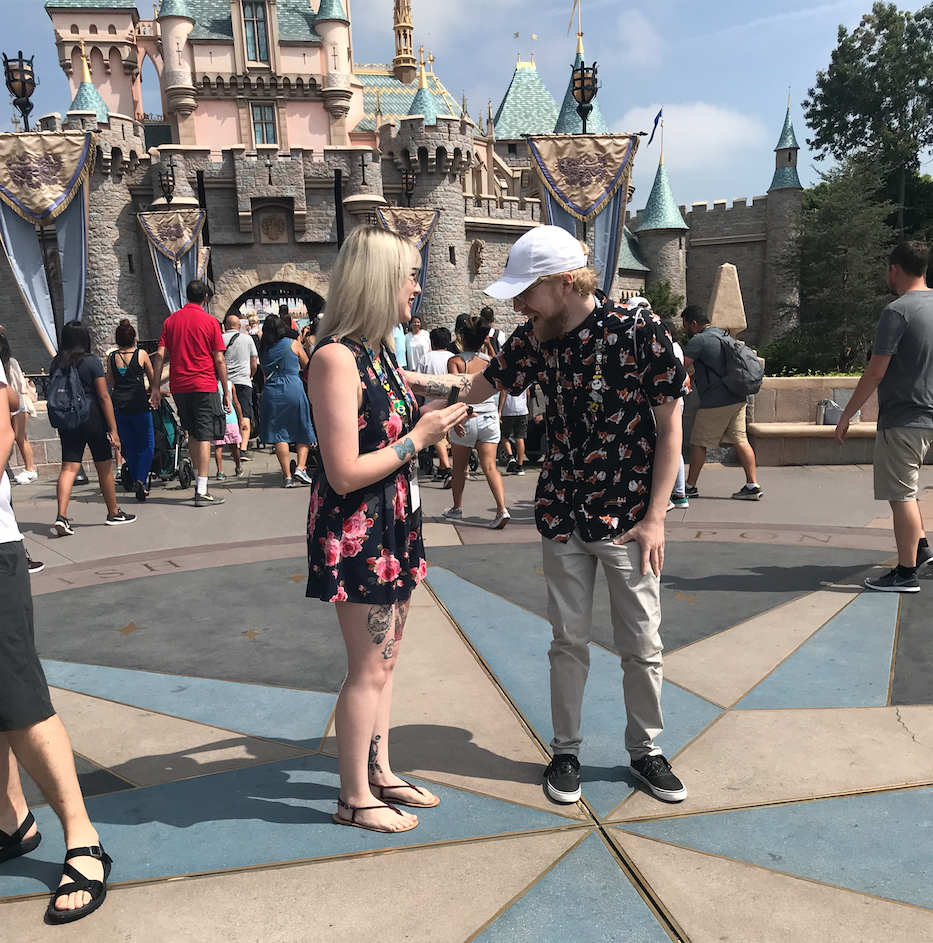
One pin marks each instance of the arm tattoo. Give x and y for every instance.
(438, 387)
(374, 766)
(405, 450)
(379, 621)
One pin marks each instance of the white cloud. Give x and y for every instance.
(640, 43)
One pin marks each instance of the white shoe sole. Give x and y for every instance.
(498, 524)
(563, 797)
(665, 795)
(132, 520)
(892, 589)
(61, 530)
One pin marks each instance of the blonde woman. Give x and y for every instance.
(365, 552)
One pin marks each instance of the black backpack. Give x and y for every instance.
(744, 371)
(68, 404)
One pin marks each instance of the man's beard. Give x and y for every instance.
(553, 326)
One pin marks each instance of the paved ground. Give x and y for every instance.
(198, 686)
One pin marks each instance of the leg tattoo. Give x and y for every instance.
(401, 614)
(374, 766)
(379, 623)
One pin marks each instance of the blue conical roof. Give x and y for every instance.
(569, 122)
(661, 211)
(87, 98)
(527, 108)
(175, 8)
(788, 138)
(331, 10)
(424, 102)
(785, 178)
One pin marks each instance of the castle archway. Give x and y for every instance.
(302, 302)
(268, 283)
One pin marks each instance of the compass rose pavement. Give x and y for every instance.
(198, 686)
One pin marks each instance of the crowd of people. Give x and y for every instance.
(613, 383)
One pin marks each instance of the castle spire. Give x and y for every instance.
(404, 65)
(425, 103)
(785, 158)
(569, 122)
(87, 98)
(661, 211)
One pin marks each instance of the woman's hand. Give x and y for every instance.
(436, 423)
(114, 439)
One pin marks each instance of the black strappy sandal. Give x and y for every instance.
(12, 846)
(79, 882)
(368, 808)
(408, 785)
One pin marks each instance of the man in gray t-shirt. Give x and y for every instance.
(901, 369)
(240, 355)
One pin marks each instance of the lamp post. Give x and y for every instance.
(585, 87)
(167, 183)
(21, 82)
(408, 183)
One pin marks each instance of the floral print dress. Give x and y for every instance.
(366, 547)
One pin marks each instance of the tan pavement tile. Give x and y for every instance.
(435, 894)
(439, 535)
(725, 667)
(451, 724)
(754, 757)
(148, 748)
(716, 900)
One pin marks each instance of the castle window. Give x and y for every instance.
(92, 30)
(453, 256)
(264, 124)
(254, 20)
(513, 150)
(112, 30)
(74, 29)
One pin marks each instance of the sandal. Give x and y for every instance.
(97, 889)
(12, 846)
(368, 808)
(408, 785)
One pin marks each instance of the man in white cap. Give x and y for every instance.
(612, 387)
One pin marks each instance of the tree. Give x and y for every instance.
(876, 97)
(664, 303)
(839, 251)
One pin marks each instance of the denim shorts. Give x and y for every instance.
(480, 427)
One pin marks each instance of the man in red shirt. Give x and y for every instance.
(197, 373)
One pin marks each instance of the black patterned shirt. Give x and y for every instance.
(600, 428)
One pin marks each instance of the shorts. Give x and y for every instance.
(515, 427)
(245, 396)
(719, 424)
(90, 434)
(480, 427)
(201, 415)
(24, 692)
(899, 453)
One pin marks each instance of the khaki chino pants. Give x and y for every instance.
(570, 573)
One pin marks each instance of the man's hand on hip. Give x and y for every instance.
(649, 535)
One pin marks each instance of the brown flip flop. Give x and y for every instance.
(368, 808)
(408, 785)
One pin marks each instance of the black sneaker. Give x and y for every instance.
(121, 517)
(691, 491)
(655, 772)
(206, 500)
(924, 557)
(35, 566)
(63, 526)
(512, 467)
(892, 582)
(562, 779)
(747, 493)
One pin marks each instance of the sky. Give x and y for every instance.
(720, 68)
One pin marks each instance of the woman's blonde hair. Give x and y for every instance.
(362, 299)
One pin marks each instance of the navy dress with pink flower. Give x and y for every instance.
(366, 547)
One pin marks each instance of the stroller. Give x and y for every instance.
(167, 462)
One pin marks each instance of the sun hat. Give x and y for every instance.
(545, 250)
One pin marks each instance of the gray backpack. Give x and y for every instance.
(744, 371)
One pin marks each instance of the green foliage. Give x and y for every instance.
(664, 302)
(839, 253)
(876, 98)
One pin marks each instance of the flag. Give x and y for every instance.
(516, 35)
(572, 12)
(535, 36)
(657, 118)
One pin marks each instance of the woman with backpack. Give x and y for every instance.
(284, 413)
(128, 368)
(80, 408)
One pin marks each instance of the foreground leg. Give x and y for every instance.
(22, 441)
(908, 531)
(66, 482)
(746, 456)
(487, 461)
(369, 634)
(107, 487)
(283, 455)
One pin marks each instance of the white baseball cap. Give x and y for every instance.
(637, 301)
(545, 250)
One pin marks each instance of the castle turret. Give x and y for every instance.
(404, 64)
(332, 25)
(87, 98)
(424, 102)
(527, 108)
(175, 23)
(662, 235)
(569, 122)
(785, 200)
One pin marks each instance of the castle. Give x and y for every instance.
(268, 120)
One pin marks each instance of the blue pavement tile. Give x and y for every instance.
(515, 644)
(846, 664)
(879, 844)
(586, 898)
(259, 815)
(258, 710)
